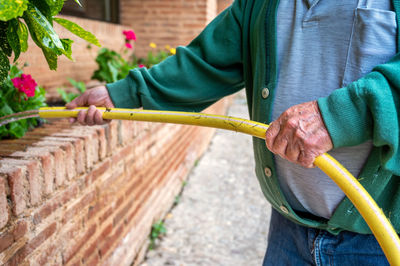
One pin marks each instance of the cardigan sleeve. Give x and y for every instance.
(368, 109)
(209, 68)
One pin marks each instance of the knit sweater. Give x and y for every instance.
(238, 49)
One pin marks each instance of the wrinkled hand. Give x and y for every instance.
(299, 135)
(97, 96)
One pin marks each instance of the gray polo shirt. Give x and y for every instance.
(322, 46)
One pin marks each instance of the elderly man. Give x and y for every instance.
(327, 74)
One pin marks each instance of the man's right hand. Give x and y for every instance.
(98, 96)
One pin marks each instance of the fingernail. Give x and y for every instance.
(71, 120)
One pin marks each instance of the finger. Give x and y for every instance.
(306, 159)
(72, 120)
(90, 115)
(280, 145)
(81, 117)
(283, 139)
(78, 101)
(292, 152)
(98, 117)
(271, 134)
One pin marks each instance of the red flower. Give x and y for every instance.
(141, 65)
(129, 35)
(25, 84)
(128, 45)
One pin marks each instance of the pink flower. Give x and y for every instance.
(129, 35)
(141, 65)
(25, 84)
(128, 45)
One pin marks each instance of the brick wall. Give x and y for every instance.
(171, 22)
(89, 195)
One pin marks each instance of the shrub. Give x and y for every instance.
(112, 66)
(19, 19)
(69, 96)
(19, 92)
(37, 16)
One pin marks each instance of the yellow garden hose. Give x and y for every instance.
(373, 215)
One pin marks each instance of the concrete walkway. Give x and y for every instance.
(222, 217)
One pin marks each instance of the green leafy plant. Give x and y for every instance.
(19, 92)
(19, 18)
(69, 96)
(154, 56)
(157, 231)
(112, 66)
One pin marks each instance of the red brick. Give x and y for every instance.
(106, 214)
(112, 137)
(69, 153)
(122, 213)
(53, 165)
(4, 211)
(59, 165)
(47, 256)
(77, 157)
(34, 176)
(69, 254)
(6, 240)
(78, 207)
(90, 251)
(59, 200)
(8, 237)
(126, 131)
(47, 161)
(106, 232)
(109, 241)
(18, 187)
(97, 172)
(102, 142)
(93, 210)
(33, 244)
(90, 140)
(21, 228)
(94, 261)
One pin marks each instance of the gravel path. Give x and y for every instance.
(222, 217)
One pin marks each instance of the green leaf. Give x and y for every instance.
(55, 6)
(44, 35)
(78, 30)
(79, 3)
(49, 8)
(23, 36)
(113, 71)
(13, 38)
(14, 71)
(67, 96)
(44, 8)
(4, 66)
(67, 43)
(6, 109)
(78, 84)
(4, 45)
(17, 129)
(12, 9)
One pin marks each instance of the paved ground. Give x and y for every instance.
(222, 217)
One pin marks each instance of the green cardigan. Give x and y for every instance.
(236, 50)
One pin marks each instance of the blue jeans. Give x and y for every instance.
(292, 244)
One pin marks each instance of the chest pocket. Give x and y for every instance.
(372, 42)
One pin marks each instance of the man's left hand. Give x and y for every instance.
(299, 134)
